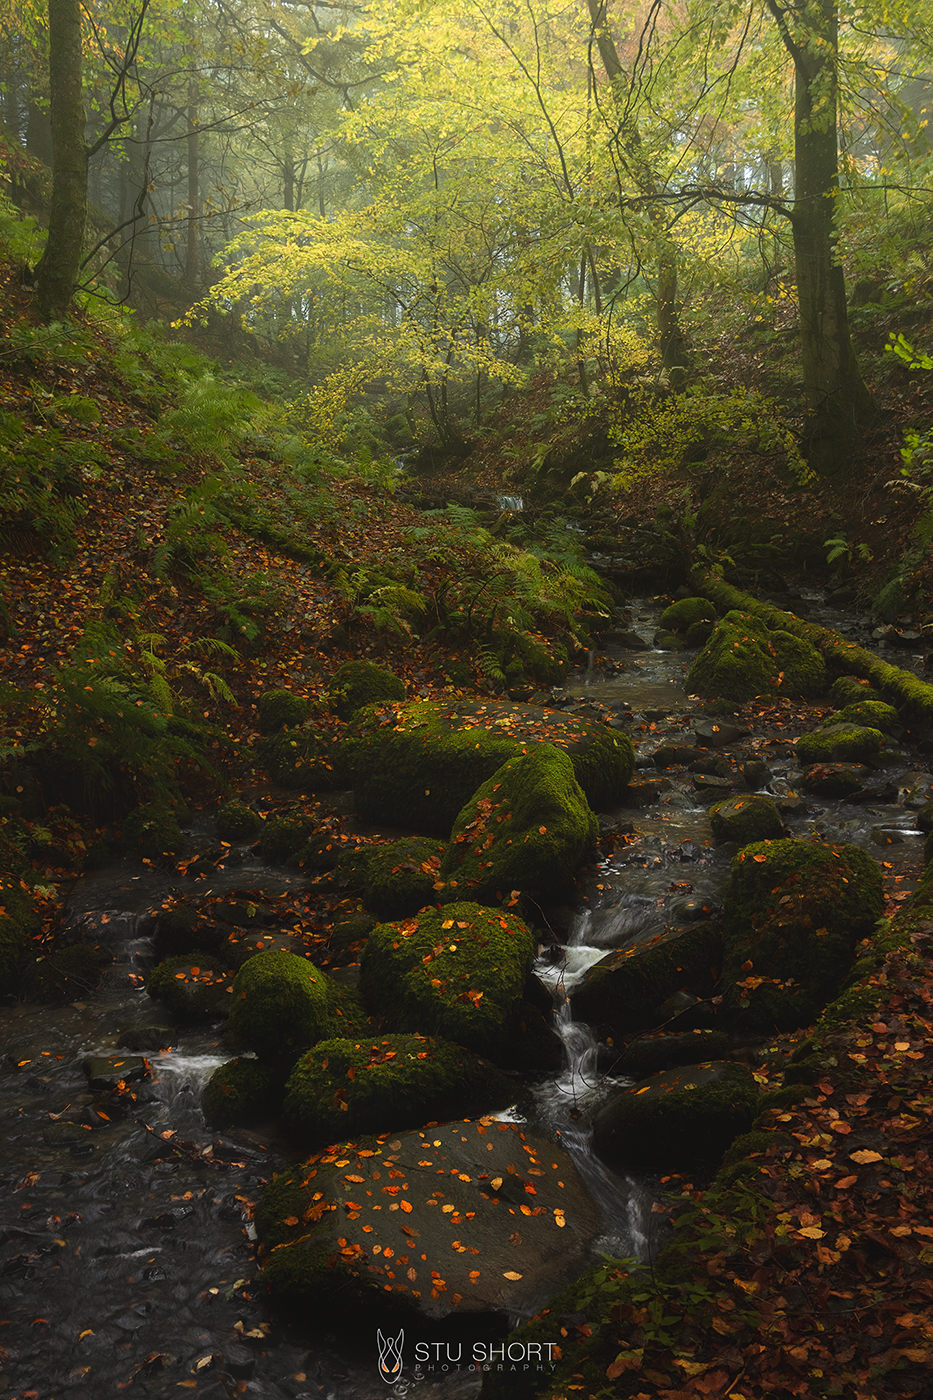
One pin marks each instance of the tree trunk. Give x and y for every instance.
(838, 401)
(194, 197)
(58, 267)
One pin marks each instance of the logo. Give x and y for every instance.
(390, 1356)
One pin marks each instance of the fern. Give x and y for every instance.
(488, 663)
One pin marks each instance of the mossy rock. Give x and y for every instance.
(18, 922)
(848, 690)
(284, 837)
(745, 819)
(644, 1057)
(743, 659)
(459, 973)
(399, 878)
(528, 828)
(624, 992)
(282, 1005)
(870, 714)
(699, 633)
(151, 830)
(282, 709)
(418, 764)
(681, 616)
(547, 664)
(302, 760)
(359, 683)
(193, 988)
(241, 1092)
(835, 779)
(793, 912)
(348, 1087)
(64, 974)
(839, 743)
(678, 1119)
(237, 823)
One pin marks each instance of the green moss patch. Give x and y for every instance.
(871, 714)
(744, 659)
(345, 1087)
(399, 878)
(745, 819)
(459, 973)
(839, 742)
(282, 1005)
(235, 822)
(526, 829)
(418, 764)
(681, 616)
(360, 683)
(193, 988)
(300, 759)
(793, 912)
(239, 1093)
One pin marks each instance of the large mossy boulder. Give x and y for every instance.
(839, 743)
(351, 1087)
(745, 819)
(302, 759)
(677, 1120)
(237, 823)
(418, 764)
(282, 1005)
(399, 878)
(871, 714)
(624, 992)
(194, 988)
(743, 659)
(459, 973)
(285, 836)
(682, 615)
(527, 828)
(793, 912)
(241, 1092)
(282, 709)
(359, 683)
(469, 1217)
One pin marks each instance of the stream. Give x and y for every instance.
(125, 1230)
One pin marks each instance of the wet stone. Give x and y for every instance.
(112, 1071)
(717, 733)
(709, 782)
(151, 1038)
(756, 774)
(835, 779)
(674, 755)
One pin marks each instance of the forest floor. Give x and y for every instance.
(814, 1276)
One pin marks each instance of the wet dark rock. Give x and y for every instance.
(643, 792)
(789, 804)
(114, 1070)
(744, 819)
(709, 783)
(886, 836)
(644, 1057)
(882, 793)
(711, 765)
(151, 1038)
(692, 911)
(673, 755)
(835, 779)
(628, 640)
(624, 992)
(756, 773)
(716, 734)
(238, 1361)
(686, 1012)
(193, 990)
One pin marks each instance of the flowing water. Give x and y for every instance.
(125, 1230)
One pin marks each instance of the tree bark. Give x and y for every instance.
(194, 196)
(57, 271)
(838, 401)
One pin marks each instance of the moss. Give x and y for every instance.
(359, 683)
(644, 1057)
(699, 633)
(870, 714)
(839, 743)
(300, 759)
(241, 1092)
(793, 911)
(459, 972)
(681, 616)
(399, 878)
(282, 1005)
(849, 690)
(833, 779)
(677, 1119)
(235, 822)
(744, 659)
(284, 837)
(625, 990)
(282, 709)
(18, 923)
(152, 830)
(743, 1159)
(527, 828)
(346, 1087)
(61, 975)
(745, 819)
(193, 988)
(418, 764)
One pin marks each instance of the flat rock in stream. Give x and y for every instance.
(109, 1072)
(470, 1217)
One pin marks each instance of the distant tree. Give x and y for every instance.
(57, 271)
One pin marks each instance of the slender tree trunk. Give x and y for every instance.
(838, 400)
(57, 271)
(673, 347)
(194, 195)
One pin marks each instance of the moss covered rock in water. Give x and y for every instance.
(849, 690)
(418, 764)
(793, 912)
(240, 1092)
(681, 616)
(345, 1087)
(284, 837)
(527, 828)
(236, 823)
(399, 878)
(459, 972)
(282, 1004)
(872, 714)
(839, 743)
(193, 988)
(359, 683)
(743, 659)
(625, 991)
(745, 819)
(282, 709)
(678, 1119)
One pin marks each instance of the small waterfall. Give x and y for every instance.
(510, 502)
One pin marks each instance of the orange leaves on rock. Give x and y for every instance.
(406, 1206)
